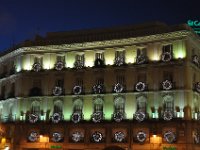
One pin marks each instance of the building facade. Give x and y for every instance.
(127, 88)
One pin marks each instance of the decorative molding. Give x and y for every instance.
(97, 44)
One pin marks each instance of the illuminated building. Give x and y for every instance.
(133, 87)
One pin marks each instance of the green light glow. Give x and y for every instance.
(130, 55)
(89, 58)
(67, 109)
(179, 49)
(48, 61)
(87, 108)
(108, 107)
(109, 56)
(129, 107)
(70, 59)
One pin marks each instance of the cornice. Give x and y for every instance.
(97, 44)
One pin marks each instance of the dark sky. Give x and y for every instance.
(23, 19)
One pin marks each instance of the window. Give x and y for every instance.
(167, 75)
(142, 52)
(119, 58)
(167, 48)
(119, 104)
(58, 106)
(168, 103)
(79, 61)
(120, 79)
(141, 77)
(141, 103)
(60, 58)
(99, 59)
(59, 82)
(38, 60)
(98, 104)
(78, 106)
(35, 107)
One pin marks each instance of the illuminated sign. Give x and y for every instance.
(195, 25)
(169, 148)
(56, 147)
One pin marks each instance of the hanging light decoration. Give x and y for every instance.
(76, 117)
(167, 85)
(119, 136)
(56, 117)
(57, 137)
(140, 86)
(140, 116)
(77, 136)
(57, 91)
(98, 88)
(118, 116)
(168, 115)
(118, 88)
(77, 90)
(170, 136)
(37, 67)
(59, 65)
(97, 117)
(141, 136)
(33, 118)
(33, 136)
(166, 56)
(97, 137)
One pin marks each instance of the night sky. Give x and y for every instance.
(23, 19)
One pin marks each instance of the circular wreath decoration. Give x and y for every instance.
(77, 90)
(33, 136)
(167, 56)
(170, 137)
(98, 88)
(57, 91)
(168, 115)
(140, 86)
(140, 59)
(119, 61)
(33, 118)
(97, 117)
(118, 88)
(56, 137)
(141, 136)
(195, 59)
(140, 116)
(59, 65)
(37, 67)
(167, 85)
(119, 136)
(76, 117)
(196, 138)
(118, 116)
(197, 87)
(56, 117)
(79, 64)
(77, 136)
(97, 137)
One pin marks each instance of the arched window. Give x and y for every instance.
(98, 104)
(168, 103)
(141, 103)
(58, 106)
(78, 105)
(119, 104)
(35, 107)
